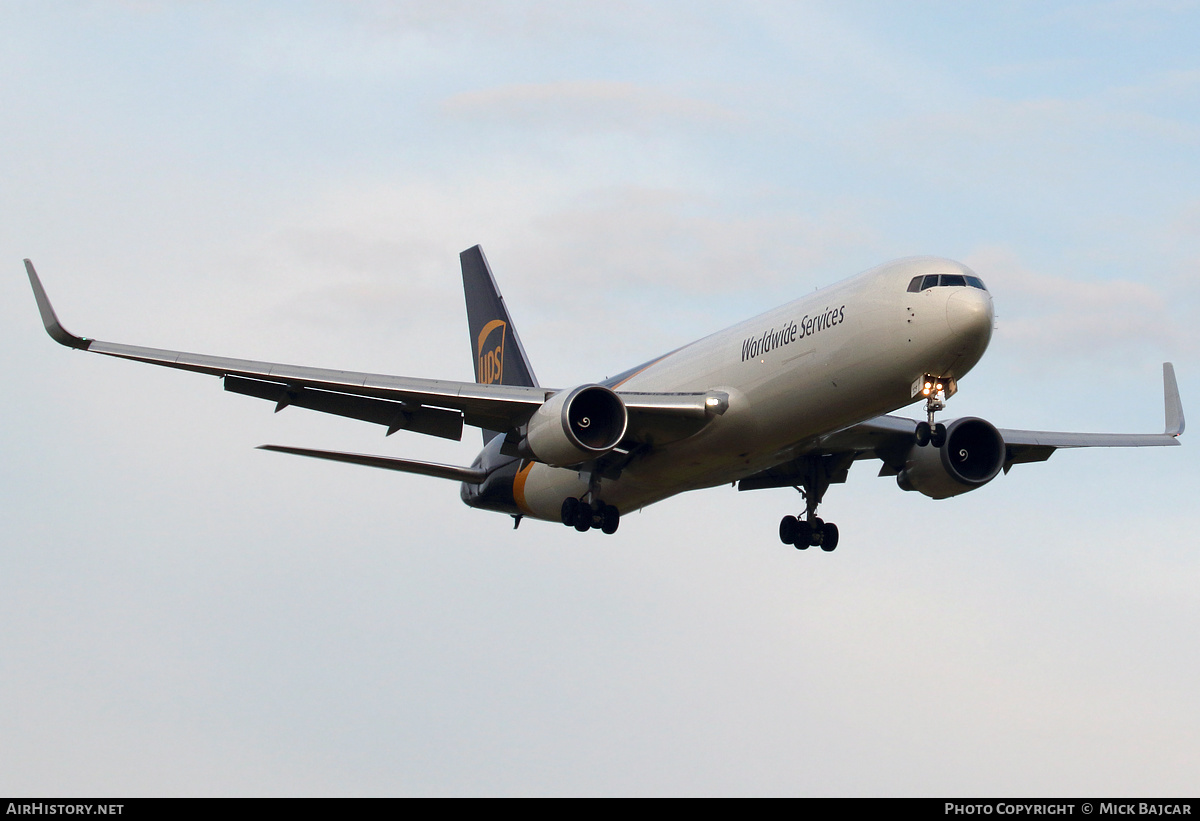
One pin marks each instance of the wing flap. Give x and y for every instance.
(487, 406)
(447, 424)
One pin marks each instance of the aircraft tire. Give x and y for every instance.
(938, 437)
(923, 434)
(611, 520)
(787, 530)
(583, 518)
(829, 537)
(803, 536)
(570, 506)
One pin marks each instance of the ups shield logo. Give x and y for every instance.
(490, 350)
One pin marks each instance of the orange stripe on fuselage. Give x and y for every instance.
(519, 488)
(649, 364)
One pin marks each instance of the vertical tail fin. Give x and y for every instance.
(495, 346)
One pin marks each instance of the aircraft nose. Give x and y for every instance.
(969, 313)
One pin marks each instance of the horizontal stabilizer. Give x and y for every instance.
(438, 471)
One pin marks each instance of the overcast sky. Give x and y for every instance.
(181, 614)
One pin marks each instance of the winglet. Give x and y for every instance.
(53, 327)
(1173, 406)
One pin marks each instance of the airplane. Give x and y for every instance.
(790, 398)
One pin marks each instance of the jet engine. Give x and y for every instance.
(574, 426)
(973, 454)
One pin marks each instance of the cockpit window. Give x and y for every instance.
(944, 281)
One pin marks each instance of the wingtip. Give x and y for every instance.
(53, 327)
(1172, 404)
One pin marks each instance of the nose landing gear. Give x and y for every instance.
(936, 391)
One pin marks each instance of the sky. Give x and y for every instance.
(181, 614)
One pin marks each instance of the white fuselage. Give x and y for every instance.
(841, 356)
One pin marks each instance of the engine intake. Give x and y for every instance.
(972, 456)
(576, 426)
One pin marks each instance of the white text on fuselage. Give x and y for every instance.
(769, 340)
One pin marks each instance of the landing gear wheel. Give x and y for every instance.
(924, 434)
(815, 475)
(803, 536)
(570, 507)
(938, 437)
(817, 527)
(829, 537)
(610, 519)
(787, 529)
(583, 518)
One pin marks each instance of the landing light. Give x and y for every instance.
(930, 385)
(716, 402)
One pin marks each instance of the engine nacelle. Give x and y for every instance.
(973, 454)
(575, 426)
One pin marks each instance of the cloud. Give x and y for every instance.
(689, 243)
(1047, 311)
(587, 106)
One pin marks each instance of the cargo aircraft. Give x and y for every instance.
(790, 398)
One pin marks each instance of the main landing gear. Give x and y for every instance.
(936, 391)
(583, 516)
(589, 511)
(801, 533)
(811, 531)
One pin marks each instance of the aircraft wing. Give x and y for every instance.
(1037, 445)
(435, 407)
(889, 438)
